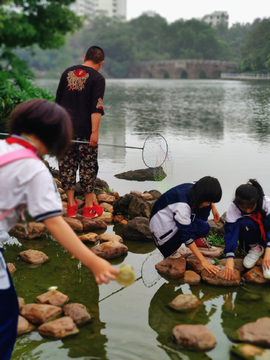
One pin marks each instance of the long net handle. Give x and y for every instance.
(87, 142)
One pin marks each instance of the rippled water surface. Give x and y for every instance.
(218, 128)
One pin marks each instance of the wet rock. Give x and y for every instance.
(238, 264)
(136, 192)
(219, 278)
(21, 302)
(115, 194)
(191, 277)
(109, 237)
(74, 223)
(142, 174)
(93, 224)
(249, 352)
(216, 228)
(77, 312)
(110, 250)
(146, 196)
(11, 268)
(106, 198)
(184, 251)
(107, 217)
(184, 303)
(39, 313)
(64, 204)
(139, 207)
(213, 254)
(121, 205)
(52, 297)
(61, 191)
(107, 207)
(23, 326)
(118, 218)
(256, 332)
(101, 184)
(171, 268)
(155, 193)
(92, 237)
(194, 337)
(124, 222)
(194, 264)
(33, 256)
(35, 231)
(255, 275)
(137, 230)
(59, 328)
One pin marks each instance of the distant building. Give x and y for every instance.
(217, 17)
(91, 8)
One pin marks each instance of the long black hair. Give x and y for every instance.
(250, 194)
(207, 189)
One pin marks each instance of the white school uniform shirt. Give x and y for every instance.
(26, 182)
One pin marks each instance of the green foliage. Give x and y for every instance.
(256, 50)
(27, 22)
(16, 85)
(215, 240)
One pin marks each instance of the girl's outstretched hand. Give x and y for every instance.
(103, 271)
(229, 268)
(212, 269)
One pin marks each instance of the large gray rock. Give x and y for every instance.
(256, 332)
(150, 174)
(137, 230)
(219, 278)
(77, 312)
(184, 302)
(172, 268)
(39, 313)
(59, 328)
(134, 205)
(110, 249)
(34, 231)
(194, 337)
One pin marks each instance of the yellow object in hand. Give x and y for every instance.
(126, 276)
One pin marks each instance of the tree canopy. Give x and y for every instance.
(27, 22)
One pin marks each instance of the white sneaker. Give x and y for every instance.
(252, 257)
(266, 273)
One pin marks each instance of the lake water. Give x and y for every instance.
(212, 127)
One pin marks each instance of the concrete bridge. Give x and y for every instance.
(181, 69)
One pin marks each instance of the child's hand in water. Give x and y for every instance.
(212, 269)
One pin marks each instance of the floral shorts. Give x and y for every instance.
(84, 158)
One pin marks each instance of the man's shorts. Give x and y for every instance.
(84, 158)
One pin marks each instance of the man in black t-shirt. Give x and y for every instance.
(80, 91)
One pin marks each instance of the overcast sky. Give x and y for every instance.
(242, 11)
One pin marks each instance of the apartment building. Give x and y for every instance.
(217, 17)
(91, 8)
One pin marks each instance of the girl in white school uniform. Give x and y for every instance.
(36, 127)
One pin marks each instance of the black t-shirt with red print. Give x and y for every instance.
(81, 91)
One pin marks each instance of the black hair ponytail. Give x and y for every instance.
(250, 194)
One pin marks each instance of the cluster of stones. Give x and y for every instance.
(47, 315)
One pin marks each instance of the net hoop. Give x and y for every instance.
(154, 151)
